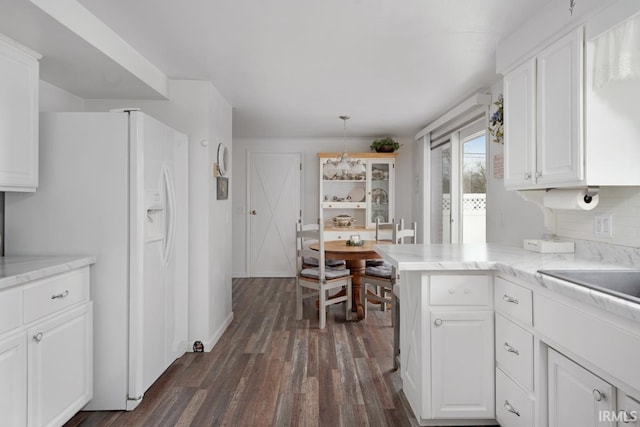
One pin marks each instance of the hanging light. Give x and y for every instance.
(343, 167)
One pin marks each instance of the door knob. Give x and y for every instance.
(253, 212)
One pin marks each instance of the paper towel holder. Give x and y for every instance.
(591, 193)
(537, 197)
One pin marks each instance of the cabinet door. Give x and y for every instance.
(520, 125)
(380, 191)
(13, 380)
(462, 364)
(559, 102)
(576, 396)
(19, 79)
(60, 359)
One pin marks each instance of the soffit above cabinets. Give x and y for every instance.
(69, 61)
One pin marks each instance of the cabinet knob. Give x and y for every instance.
(38, 337)
(253, 212)
(437, 322)
(538, 174)
(598, 395)
(527, 175)
(510, 408)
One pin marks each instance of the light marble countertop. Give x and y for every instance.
(15, 270)
(516, 262)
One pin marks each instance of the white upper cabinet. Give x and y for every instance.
(520, 125)
(559, 153)
(19, 79)
(544, 117)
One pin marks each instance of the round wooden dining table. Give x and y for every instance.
(355, 257)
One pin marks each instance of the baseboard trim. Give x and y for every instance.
(213, 339)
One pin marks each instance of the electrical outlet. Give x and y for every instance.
(603, 225)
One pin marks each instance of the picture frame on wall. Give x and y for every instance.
(222, 192)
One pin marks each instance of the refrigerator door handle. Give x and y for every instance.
(170, 216)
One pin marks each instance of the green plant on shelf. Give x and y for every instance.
(385, 145)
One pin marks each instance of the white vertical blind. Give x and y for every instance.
(617, 53)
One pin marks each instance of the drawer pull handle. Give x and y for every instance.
(510, 408)
(510, 299)
(511, 349)
(628, 417)
(598, 395)
(437, 322)
(38, 337)
(62, 295)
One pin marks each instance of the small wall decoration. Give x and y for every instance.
(496, 127)
(222, 192)
(498, 166)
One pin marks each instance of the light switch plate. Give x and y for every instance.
(603, 225)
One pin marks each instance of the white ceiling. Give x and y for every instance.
(291, 67)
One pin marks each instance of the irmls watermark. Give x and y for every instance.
(618, 416)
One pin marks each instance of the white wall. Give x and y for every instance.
(220, 230)
(197, 109)
(54, 99)
(308, 147)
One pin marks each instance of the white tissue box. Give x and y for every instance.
(549, 246)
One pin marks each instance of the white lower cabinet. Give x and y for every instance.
(60, 359)
(577, 398)
(46, 357)
(13, 380)
(462, 364)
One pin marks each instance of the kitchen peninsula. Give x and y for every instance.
(485, 337)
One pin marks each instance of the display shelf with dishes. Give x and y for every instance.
(364, 190)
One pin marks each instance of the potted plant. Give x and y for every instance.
(385, 145)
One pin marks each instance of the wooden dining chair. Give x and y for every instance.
(318, 281)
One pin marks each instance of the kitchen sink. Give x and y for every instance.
(620, 283)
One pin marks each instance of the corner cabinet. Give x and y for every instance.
(46, 350)
(367, 193)
(19, 80)
(544, 119)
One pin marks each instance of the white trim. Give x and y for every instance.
(86, 25)
(479, 99)
(10, 42)
(217, 334)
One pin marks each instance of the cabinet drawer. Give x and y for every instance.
(514, 301)
(460, 290)
(514, 408)
(514, 351)
(9, 310)
(55, 293)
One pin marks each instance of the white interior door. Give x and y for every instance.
(274, 209)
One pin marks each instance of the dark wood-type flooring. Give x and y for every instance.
(269, 369)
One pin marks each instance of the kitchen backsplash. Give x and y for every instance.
(621, 202)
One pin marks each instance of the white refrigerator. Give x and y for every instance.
(115, 185)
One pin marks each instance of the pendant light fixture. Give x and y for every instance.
(343, 166)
